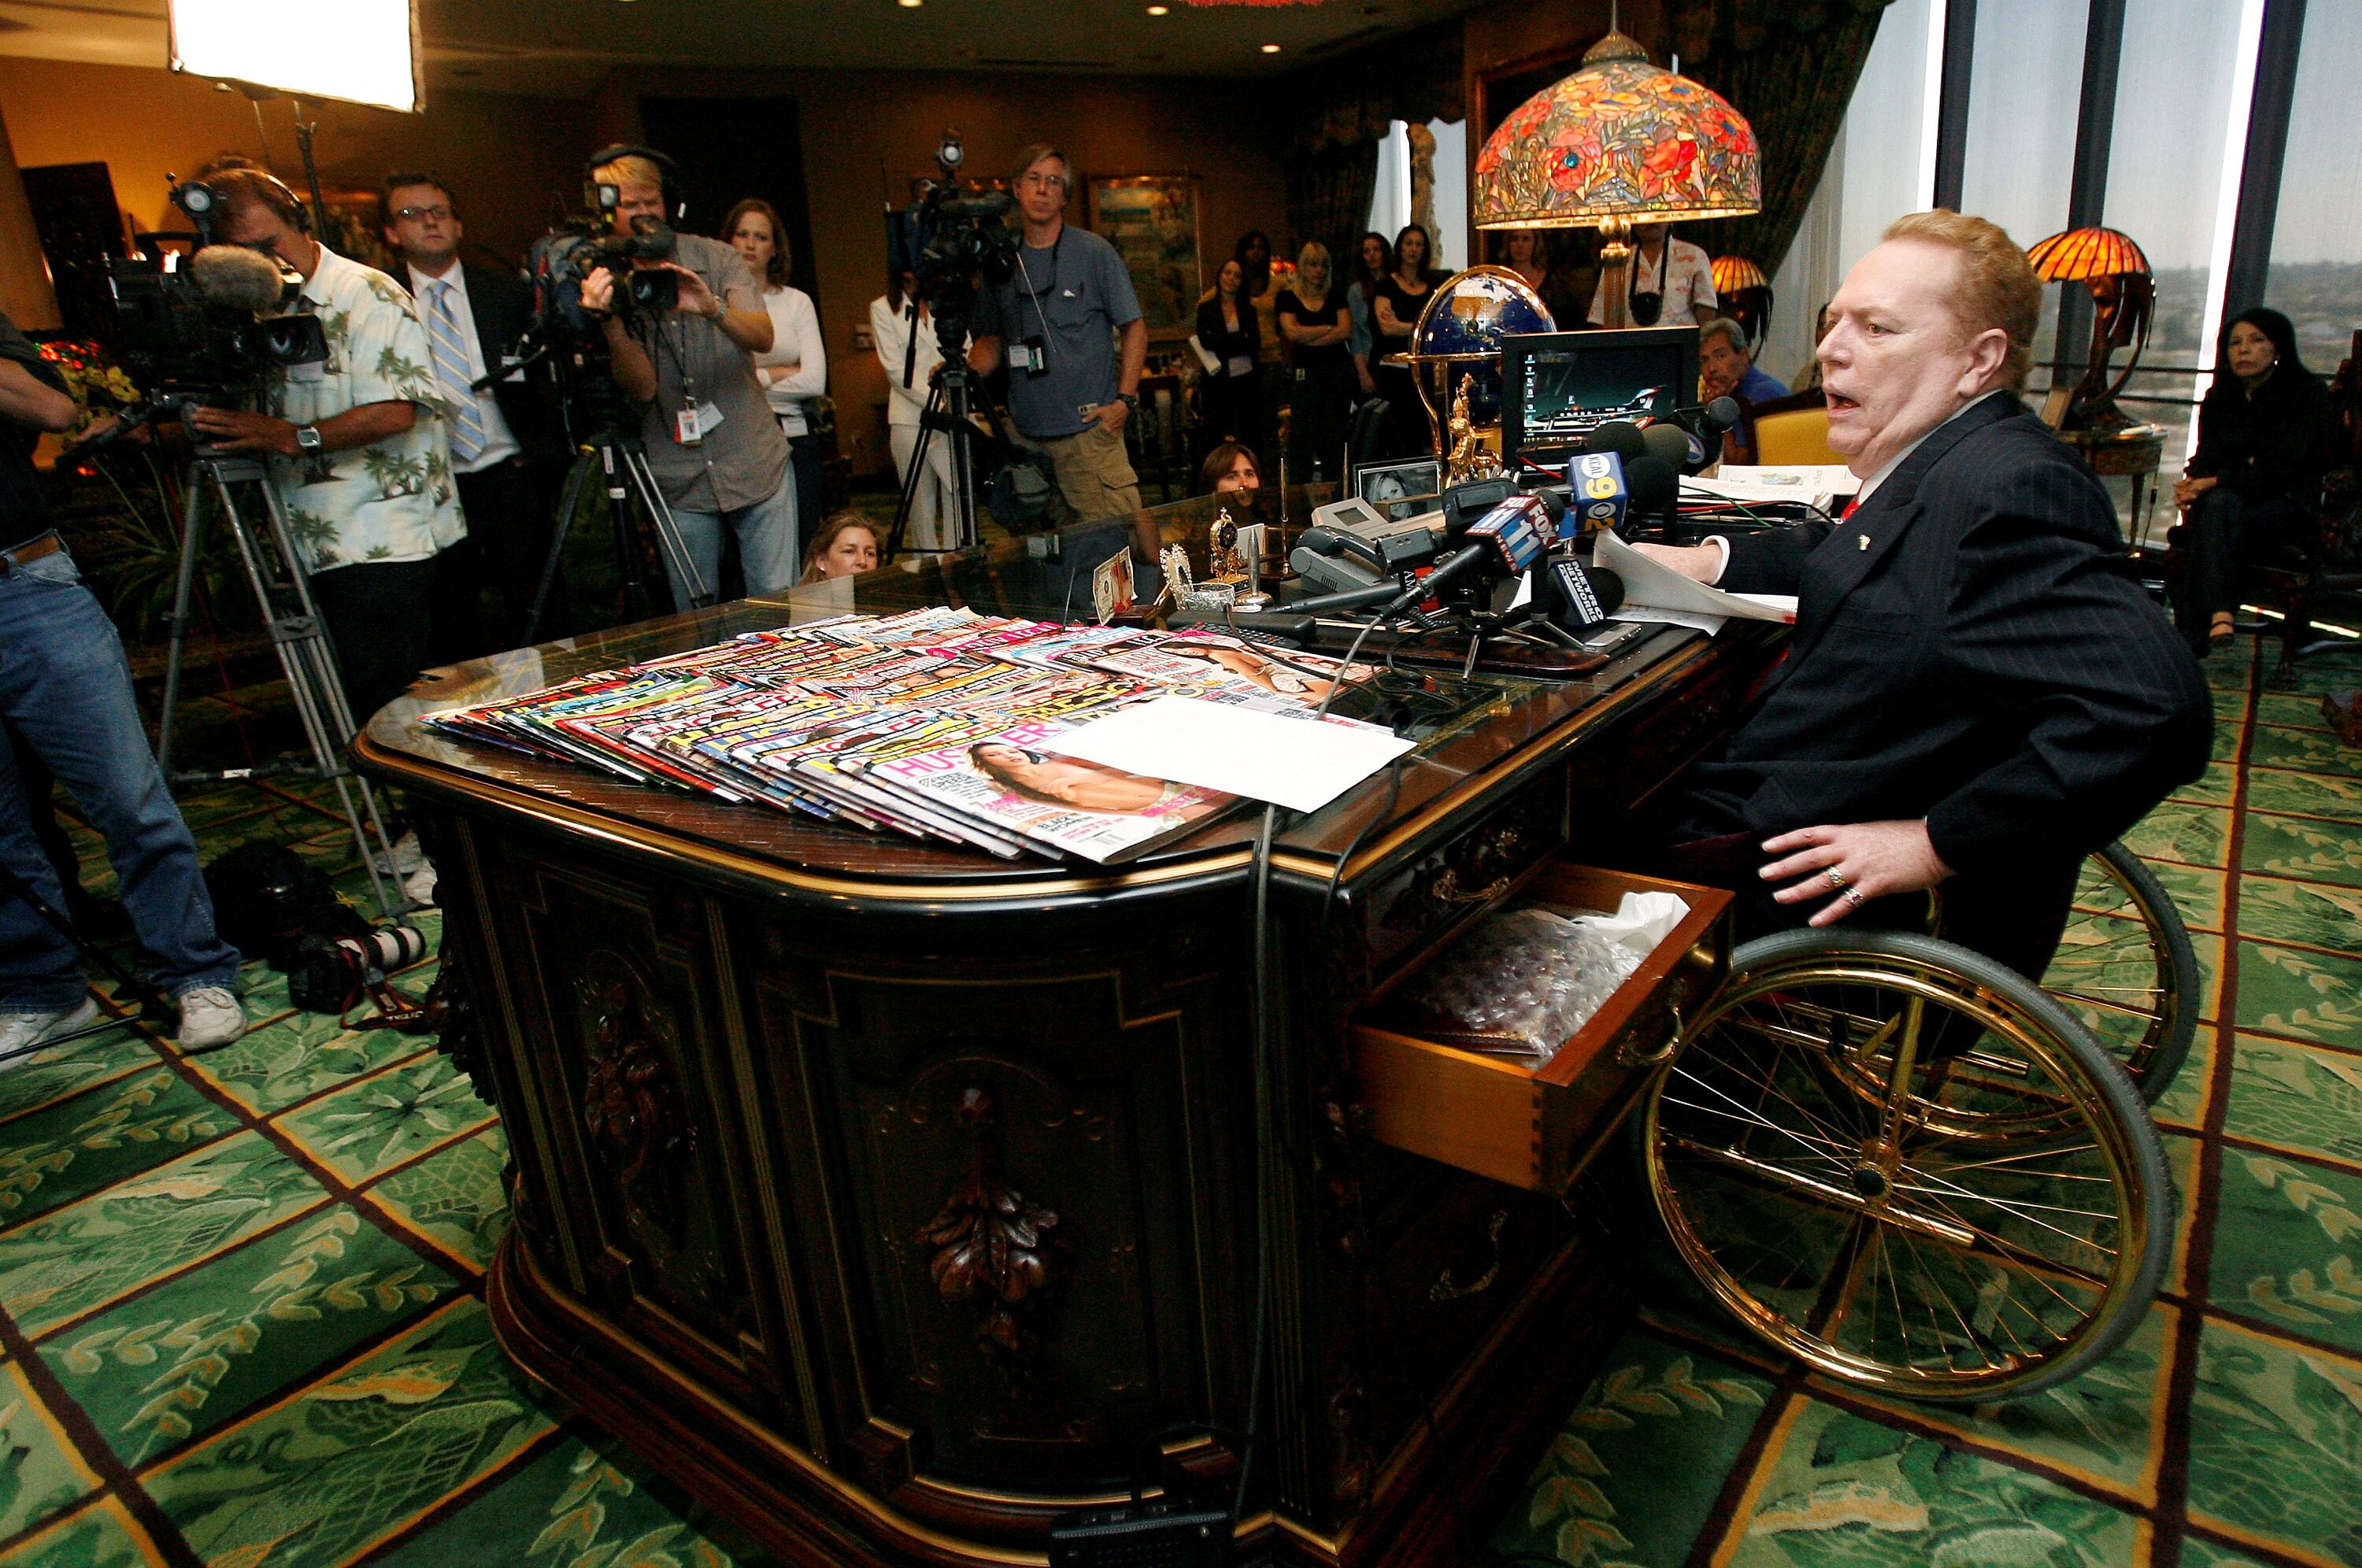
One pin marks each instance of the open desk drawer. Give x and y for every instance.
(1537, 1127)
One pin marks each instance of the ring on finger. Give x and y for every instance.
(1853, 897)
(1835, 877)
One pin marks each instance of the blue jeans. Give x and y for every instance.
(66, 689)
(767, 544)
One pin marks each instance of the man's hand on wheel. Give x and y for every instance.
(1872, 859)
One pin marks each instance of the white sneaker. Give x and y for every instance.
(408, 857)
(21, 1030)
(210, 1019)
(419, 887)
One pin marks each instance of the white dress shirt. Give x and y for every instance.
(795, 340)
(890, 330)
(500, 442)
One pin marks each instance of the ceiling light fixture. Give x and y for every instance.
(1160, 10)
(1271, 49)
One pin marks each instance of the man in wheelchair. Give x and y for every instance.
(1978, 692)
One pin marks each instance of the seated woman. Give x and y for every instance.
(1230, 468)
(845, 545)
(2263, 438)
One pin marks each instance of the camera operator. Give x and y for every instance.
(361, 455)
(712, 441)
(508, 454)
(65, 693)
(1056, 325)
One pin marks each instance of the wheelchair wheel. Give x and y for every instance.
(1991, 1221)
(2127, 971)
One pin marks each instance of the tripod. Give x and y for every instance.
(630, 485)
(950, 401)
(274, 572)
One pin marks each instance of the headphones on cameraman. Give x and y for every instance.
(668, 171)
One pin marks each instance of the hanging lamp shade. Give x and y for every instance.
(1619, 141)
(2080, 255)
(1732, 274)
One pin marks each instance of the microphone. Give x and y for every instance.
(1655, 485)
(1360, 598)
(1671, 444)
(1620, 436)
(240, 279)
(1722, 415)
(1598, 492)
(1577, 597)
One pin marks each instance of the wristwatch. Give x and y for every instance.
(721, 308)
(1130, 401)
(307, 440)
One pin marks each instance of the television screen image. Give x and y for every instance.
(1561, 386)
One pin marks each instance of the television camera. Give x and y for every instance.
(207, 326)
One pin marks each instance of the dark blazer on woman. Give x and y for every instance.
(1970, 648)
(1222, 342)
(2272, 445)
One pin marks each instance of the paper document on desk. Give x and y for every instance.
(1264, 756)
(1653, 591)
(1816, 484)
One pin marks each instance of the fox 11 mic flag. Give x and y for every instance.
(362, 51)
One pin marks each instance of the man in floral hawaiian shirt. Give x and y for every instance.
(359, 447)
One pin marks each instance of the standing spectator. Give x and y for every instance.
(904, 331)
(1401, 295)
(1056, 326)
(508, 454)
(1671, 280)
(1527, 252)
(1230, 395)
(65, 694)
(712, 441)
(1371, 256)
(794, 369)
(1319, 331)
(359, 447)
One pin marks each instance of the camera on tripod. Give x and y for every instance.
(208, 327)
(562, 258)
(954, 234)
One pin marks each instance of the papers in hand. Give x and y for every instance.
(1264, 756)
(1653, 591)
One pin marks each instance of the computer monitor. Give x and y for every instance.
(1557, 387)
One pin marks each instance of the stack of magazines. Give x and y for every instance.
(931, 723)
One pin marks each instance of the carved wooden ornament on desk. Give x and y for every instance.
(992, 1247)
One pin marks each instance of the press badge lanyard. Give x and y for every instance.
(1032, 357)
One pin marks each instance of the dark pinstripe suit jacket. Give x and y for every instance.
(1972, 647)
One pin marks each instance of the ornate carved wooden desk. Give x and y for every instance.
(895, 1200)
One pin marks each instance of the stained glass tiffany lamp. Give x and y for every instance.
(1619, 142)
(2123, 298)
(1742, 292)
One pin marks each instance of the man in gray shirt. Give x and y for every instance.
(1056, 325)
(713, 442)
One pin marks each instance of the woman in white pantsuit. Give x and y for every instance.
(894, 317)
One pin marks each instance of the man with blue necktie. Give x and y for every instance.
(507, 453)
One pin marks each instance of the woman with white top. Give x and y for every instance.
(897, 318)
(795, 367)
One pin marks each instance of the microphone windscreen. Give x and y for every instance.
(232, 275)
(1667, 444)
(1655, 484)
(1620, 436)
(1609, 587)
(1723, 413)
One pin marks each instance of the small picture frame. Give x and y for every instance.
(1403, 488)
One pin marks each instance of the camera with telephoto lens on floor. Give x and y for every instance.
(331, 974)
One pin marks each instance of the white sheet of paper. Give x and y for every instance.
(1709, 624)
(1264, 756)
(1648, 585)
(1820, 484)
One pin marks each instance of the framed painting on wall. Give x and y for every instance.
(1151, 221)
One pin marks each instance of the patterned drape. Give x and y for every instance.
(1335, 114)
(1328, 194)
(1790, 67)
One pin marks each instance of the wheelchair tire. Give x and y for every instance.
(2128, 971)
(1993, 1222)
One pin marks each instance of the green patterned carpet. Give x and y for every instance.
(241, 1316)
